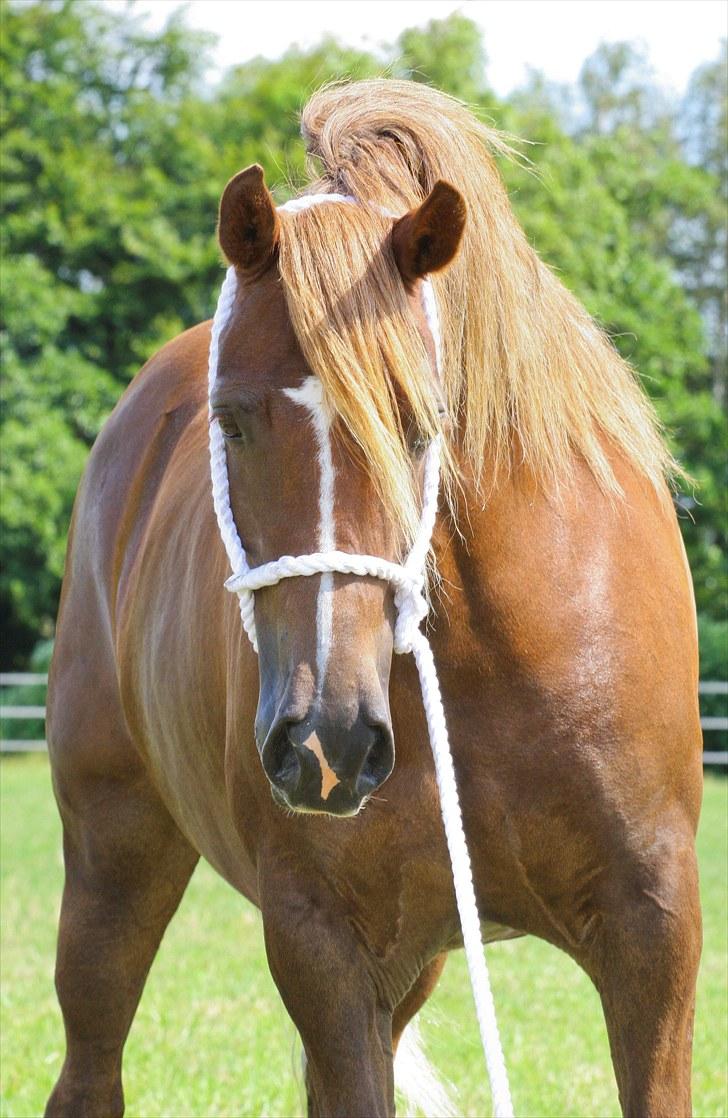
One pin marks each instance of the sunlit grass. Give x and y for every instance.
(211, 1037)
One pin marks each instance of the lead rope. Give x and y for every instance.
(408, 581)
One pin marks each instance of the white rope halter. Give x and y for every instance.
(408, 580)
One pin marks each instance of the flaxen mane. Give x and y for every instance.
(526, 371)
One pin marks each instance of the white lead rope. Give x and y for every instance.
(408, 581)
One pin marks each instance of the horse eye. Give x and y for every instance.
(417, 441)
(229, 427)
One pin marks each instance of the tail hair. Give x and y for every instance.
(417, 1081)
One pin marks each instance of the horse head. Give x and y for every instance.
(300, 397)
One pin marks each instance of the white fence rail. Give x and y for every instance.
(708, 722)
(712, 722)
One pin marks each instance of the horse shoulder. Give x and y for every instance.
(577, 615)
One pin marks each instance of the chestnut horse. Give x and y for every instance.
(562, 623)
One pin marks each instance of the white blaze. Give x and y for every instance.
(310, 396)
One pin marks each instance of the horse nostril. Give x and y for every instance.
(280, 759)
(378, 763)
(298, 764)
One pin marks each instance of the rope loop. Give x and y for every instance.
(409, 597)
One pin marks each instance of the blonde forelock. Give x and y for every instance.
(349, 309)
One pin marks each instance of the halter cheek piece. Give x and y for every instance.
(408, 581)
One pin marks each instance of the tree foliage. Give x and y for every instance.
(447, 53)
(114, 157)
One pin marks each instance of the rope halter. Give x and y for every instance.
(408, 580)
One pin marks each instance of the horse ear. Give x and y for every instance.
(426, 239)
(248, 226)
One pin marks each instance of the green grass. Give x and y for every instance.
(211, 1036)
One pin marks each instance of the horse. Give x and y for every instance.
(562, 623)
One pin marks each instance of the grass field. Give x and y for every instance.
(211, 1037)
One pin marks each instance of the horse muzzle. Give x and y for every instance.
(320, 765)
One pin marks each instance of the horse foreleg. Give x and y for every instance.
(321, 971)
(127, 866)
(646, 962)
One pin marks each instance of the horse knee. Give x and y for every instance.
(656, 922)
(321, 972)
(644, 961)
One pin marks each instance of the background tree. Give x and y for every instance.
(447, 53)
(105, 257)
(703, 129)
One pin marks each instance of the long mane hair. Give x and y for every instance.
(528, 376)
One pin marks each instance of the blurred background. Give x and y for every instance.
(122, 123)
